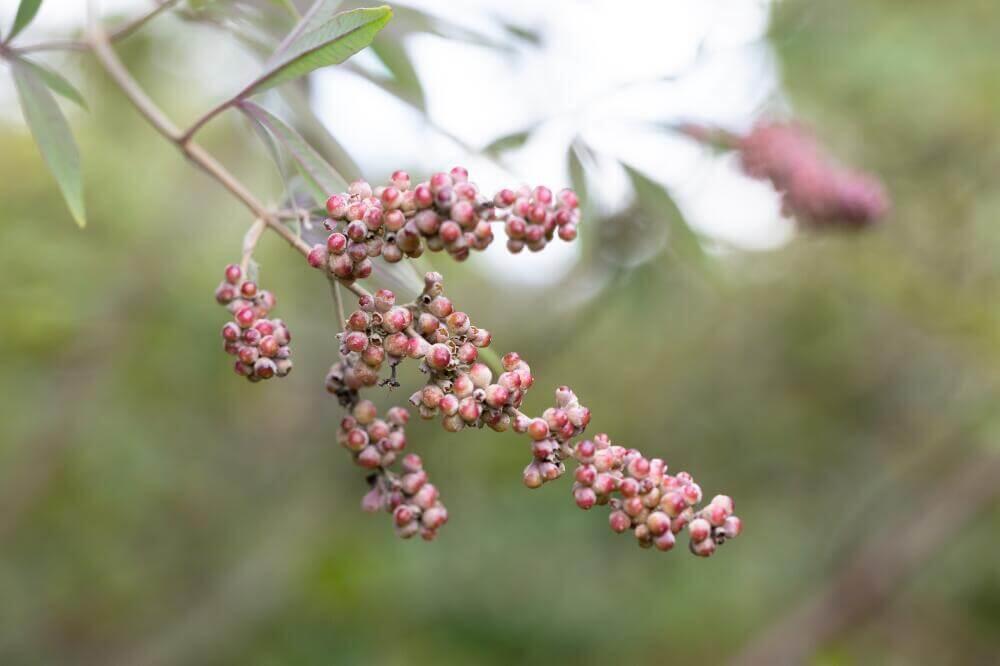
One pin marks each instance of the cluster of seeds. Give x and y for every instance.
(414, 502)
(446, 212)
(535, 216)
(259, 344)
(375, 443)
(374, 333)
(550, 436)
(644, 498)
(460, 389)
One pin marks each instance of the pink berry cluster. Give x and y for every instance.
(643, 497)
(537, 215)
(446, 212)
(463, 392)
(813, 190)
(373, 333)
(459, 388)
(259, 344)
(374, 444)
(550, 437)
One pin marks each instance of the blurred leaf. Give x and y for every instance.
(522, 33)
(25, 14)
(510, 142)
(322, 178)
(332, 43)
(288, 6)
(317, 133)
(578, 175)
(56, 82)
(657, 203)
(389, 48)
(53, 136)
(408, 20)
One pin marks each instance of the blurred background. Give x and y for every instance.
(154, 509)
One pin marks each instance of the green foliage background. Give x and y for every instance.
(154, 509)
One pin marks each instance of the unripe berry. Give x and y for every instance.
(396, 344)
(448, 404)
(462, 385)
(396, 319)
(356, 341)
(531, 477)
(336, 206)
(423, 196)
(453, 423)
(431, 395)
(373, 356)
(469, 410)
(245, 317)
(538, 429)
(496, 395)
(384, 300)
(233, 274)
(702, 548)
(264, 368)
(665, 541)
(480, 374)
(458, 323)
(619, 521)
(417, 347)
(440, 181)
(365, 412)
(584, 497)
(440, 307)
(438, 357)
(467, 353)
(360, 188)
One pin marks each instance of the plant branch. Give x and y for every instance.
(100, 44)
(189, 133)
(250, 241)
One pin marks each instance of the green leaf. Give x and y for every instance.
(658, 204)
(578, 175)
(52, 134)
(320, 12)
(322, 178)
(56, 82)
(406, 84)
(25, 14)
(509, 142)
(333, 42)
(317, 133)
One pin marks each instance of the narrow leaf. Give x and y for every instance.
(25, 14)
(320, 12)
(318, 174)
(53, 136)
(509, 142)
(317, 133)
(56, 82)
(333, 42)
(406, 83)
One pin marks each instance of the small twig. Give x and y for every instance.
(250, 241)
(121, 32)
(338, 300)
(200, 122)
